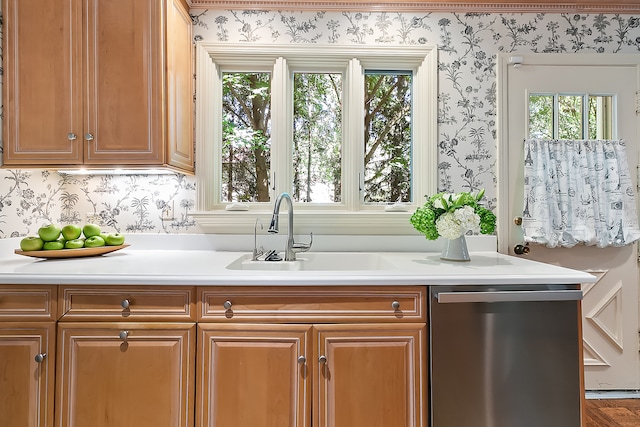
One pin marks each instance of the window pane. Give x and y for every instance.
(600, 117)
(570, 117)
(387, 139)
(317, 137)
(541, 116)
(246, 138)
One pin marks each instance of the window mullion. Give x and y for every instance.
(281, 128)
(424, 149)
(353, 136)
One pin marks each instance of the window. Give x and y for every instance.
(570, 116)
(345, 131)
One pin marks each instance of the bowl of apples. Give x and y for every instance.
(70, 241)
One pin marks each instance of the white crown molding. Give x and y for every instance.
(487, 6)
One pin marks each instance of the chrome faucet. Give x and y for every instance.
(292, 247)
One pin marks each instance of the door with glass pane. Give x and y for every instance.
(577, 97)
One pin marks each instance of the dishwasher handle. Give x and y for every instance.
(508, 296)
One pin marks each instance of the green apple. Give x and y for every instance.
(104, 235)
(49, 233)
(55, 245)
(93, 242)
(91, 230)
(31, 243)
(71, 231)
(74, 244)
(115, 239)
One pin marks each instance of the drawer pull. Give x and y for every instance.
(125, 303)
(302, 360)
(395, 305)
(40, 357)
(227, 305)
(124, 335)
(322, 359)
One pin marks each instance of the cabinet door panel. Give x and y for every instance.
(374, 375)
(42, 78)
(124, 100)
(180, 153)
(250, 376)
(143, 380)
(26, 386)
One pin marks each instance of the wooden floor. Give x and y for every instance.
(612, 413)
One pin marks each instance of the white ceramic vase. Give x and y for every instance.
(455, 250)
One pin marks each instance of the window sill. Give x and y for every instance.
(305, 222)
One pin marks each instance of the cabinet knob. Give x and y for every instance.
(302, 360)
(72, 136)
(517, 220)
(124, 335)
(395, 305)
(40, 357)
(322, 359)
(88, 136)
(227, 305)
(125, 303)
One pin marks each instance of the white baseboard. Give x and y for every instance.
(613, 394)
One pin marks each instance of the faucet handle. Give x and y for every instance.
(302, 247)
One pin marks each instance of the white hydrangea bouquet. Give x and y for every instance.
(452, 215)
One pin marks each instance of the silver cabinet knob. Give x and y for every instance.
(40, 357)
(124, 335)
(302, 360)
(72, 136)
(322, 359)
(395, 305)
(88, 136)
(227, 305)
(125, 303)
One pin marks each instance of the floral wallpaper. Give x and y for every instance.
(467, 43)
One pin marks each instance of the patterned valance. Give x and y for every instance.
(578, 192)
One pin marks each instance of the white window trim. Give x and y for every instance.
(350, 216)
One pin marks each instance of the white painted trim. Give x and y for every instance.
(351, 216)
(615, 394)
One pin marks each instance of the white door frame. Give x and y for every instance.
(506, 60)
(619, 366)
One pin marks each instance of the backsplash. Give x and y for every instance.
(467, 43)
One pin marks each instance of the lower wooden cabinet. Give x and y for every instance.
(370, 375)
(253, 375)
(324, 375)
(125, 374)
(27, 366)
(143, 356)
(27, 355)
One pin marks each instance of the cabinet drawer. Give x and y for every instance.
(27, 302)
(326, 304)
(127, 303)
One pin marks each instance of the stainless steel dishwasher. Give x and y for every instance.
(505, 356)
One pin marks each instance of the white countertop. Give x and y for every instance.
(162, 260)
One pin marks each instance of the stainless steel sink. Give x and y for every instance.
(318, 261)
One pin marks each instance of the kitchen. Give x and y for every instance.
(467, 43)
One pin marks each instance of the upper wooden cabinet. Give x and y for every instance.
(98, 83)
